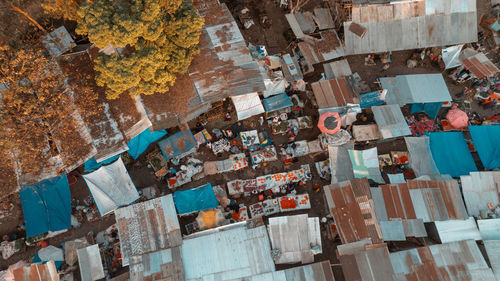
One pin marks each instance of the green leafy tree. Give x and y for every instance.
(159, 37)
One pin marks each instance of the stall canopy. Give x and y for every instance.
(485, 140)
(92, 164)
(196, 199)
(140, 143)
(46, 206)
(277, 102)
(178, 145)
(329, 122)
(451, 153)
(423, 92)
(111, 187)
(247, 105)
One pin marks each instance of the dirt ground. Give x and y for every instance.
(274, 40)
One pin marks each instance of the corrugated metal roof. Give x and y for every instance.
(305, 21)
(323, 18)
(415, 88)
(37, 272)
(457, 230)
(321, 271)
(224, 66)
(320, 50)
(157, 266)
(148, 226)
(411, 25)
(455, 261)
(393, 230)
(294, 236)
(480, 66)
(334, 93)
(351, 206)
(58, 41)
(390, 120)
(337, 69)
(104, 128)
(493, 250)
(479, 189)
(89, 260)
(228, 253)
(420, 156)
(489, 229)
(340, 163)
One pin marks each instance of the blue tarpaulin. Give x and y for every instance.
(92, 165)
(431, 109)
(370, 99)
(140, 143)
(451, 154)
(177, 144)
(486, 141)
(196, 199)
(46, 206)
(277, 102)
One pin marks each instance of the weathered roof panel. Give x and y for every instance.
(294, 236)
(351, 206)
(89, 260)
(37, 272)
(479, 189)
(480, 65)
(229, 253)
(224, 66)
(489, 229)
(337, 69)
(148, 226)
(156, 266)
(410, 25)
(457, 230)
(334, 93)
(390, 121)
(493, 250)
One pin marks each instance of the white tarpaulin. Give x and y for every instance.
(451, 56)
(275, 86)
(247, 105)
(111, 187)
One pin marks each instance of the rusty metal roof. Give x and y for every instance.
(455, 261)
(224, 66)
(351, 206)
(148, 226)
(334, 93)
(326, 48)
(37, 272)
(426, 200)
(480, 65)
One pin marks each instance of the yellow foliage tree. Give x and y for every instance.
(160, 38)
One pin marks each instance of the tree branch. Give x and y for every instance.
(17, 9)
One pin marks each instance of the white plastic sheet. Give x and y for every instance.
(247, 105)
(451, 56)
(111, 187)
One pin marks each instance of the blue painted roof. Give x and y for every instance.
(277, 102)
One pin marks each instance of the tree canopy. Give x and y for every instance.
(159, 37)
